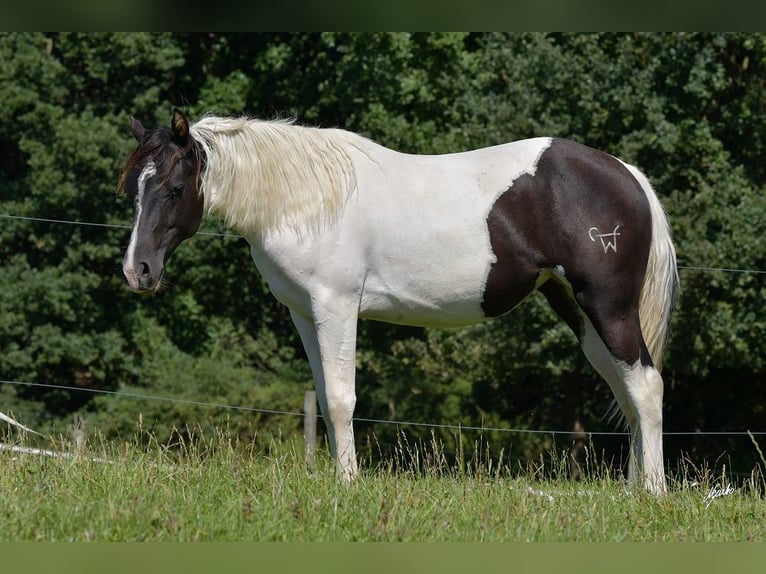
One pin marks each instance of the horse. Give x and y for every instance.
(342, 229)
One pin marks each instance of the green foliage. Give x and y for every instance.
(686, 108)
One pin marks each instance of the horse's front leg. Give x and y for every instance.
(329, 337)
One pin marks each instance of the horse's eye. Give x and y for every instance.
(176, 191)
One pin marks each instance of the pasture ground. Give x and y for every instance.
(219, 490)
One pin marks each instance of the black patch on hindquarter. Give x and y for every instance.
(543, 220)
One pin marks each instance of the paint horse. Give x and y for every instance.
(342, 228)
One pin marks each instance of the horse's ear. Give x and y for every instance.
(137, 128)
(180, 126)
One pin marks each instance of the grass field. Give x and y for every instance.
(220, 491)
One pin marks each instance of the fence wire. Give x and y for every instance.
(231, 234)
(456, 427)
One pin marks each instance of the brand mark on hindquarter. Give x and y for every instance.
(608, 240)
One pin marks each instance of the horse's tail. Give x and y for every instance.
(660, 286)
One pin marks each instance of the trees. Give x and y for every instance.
(687, 108)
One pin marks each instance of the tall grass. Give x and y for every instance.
(220, 489)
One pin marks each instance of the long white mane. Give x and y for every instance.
(265, 175)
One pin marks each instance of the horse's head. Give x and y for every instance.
(161, 178)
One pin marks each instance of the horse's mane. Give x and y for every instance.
(265, 175)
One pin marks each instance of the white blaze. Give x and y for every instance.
(128, 264)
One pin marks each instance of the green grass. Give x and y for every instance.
(216, 490)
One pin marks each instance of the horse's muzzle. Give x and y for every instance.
(142, 278)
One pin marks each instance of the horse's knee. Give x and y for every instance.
(340, 408)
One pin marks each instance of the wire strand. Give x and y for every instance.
(457, 427)
(148, 397)
(109, 225)
(231, 234)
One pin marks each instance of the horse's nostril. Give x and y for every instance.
(145, 270)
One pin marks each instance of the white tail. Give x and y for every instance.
(658, 292)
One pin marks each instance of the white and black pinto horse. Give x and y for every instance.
(343, 228)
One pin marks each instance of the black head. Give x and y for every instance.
(161, 178)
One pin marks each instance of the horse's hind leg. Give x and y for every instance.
(610, 337)
(637, 388)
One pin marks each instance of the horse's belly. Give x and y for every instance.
(413, 312)
(437, 283)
